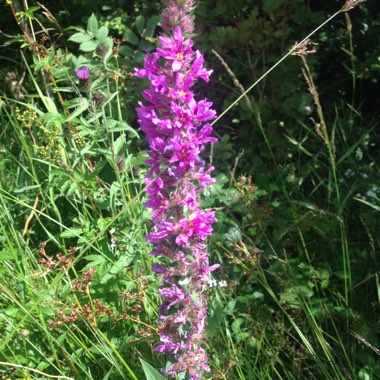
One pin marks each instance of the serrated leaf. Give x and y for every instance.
(88, 46)
(102, 33)
(92, 24)
(140, 23)
(79, 38)
(150, 372)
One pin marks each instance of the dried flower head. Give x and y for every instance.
(351, 4)
(305, 48)
(98, 99)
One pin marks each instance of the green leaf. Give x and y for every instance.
(117, 267)
(125, 51)
(122, 127)
(83, 106)
(92, 24)
(150, 372)
(26, 188)
(102, 34)
(272, 5)
(131, 37)
(88, 46)
(4, 255)
(119, 144)
(114, 191)
(95, 260)
(151, 25)
(369, 204)
(140, 23)
(79, 38)
(72, 232)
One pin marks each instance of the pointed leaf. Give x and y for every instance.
(150, 372)
(79, 38)
(88, 46)
(92, 24)
(102, 33)
(140, 23)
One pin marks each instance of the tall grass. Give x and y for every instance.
(72, 175)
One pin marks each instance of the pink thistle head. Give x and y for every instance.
(83, 73)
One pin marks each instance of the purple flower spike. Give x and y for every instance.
(177, 130)
(83, 73)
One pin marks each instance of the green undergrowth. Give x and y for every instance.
(297, 198)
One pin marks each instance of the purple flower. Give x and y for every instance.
(175, 125)
(83, 73)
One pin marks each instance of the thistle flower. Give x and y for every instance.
(176, 128)
(83, 74)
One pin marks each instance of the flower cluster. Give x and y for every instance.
(176, 128)
(178, 13)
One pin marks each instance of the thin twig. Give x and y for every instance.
(274, 66)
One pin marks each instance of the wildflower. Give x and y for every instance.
(83, 74)
(177, 130)
(177, 13)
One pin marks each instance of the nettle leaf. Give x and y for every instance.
(79, 38)
(88, 46)
(150, 372)
(92, 24)
(140, 23)
(102, 33)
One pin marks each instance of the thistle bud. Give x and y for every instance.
(102, 50)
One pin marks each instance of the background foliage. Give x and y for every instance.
(297, 191)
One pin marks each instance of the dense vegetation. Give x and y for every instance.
(297, 192)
